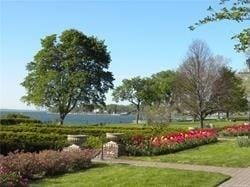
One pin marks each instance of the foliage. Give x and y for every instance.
(93, 142)
(114, 108)
(15, 115)
(140, 145)
(131, 90)
(19, 166)
(14, 121)
(243, 141)
(229, 93)
(55, 162)
(39, 137)
(236, 130)
(160, 87)
(65, 130)
(30, 142)
(10, 178)
(195, 82)
(239, 12)
(158, 96)
(16, 118)
(68, 72)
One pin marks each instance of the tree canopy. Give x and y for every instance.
(195, 80)
(69, 71)
(205, 85)
(234, 10)
(229, 92)
(131, 90)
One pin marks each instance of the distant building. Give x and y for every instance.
(97, 111)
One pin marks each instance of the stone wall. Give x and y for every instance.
(112, 150)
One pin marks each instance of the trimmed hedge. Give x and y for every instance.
(34, 138)
(16, 118)
(30, 142)
(14, 121)
(15, 115)
(88, 130)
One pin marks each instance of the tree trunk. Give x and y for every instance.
(137, 114)
(170, 117)
(227, 115)
(218, 115)
(62, 117)
(202, 122)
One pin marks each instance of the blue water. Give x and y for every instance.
(82, 119)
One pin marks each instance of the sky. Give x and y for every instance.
(143, 37)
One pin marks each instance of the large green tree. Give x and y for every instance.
(159, 95)
(234, 10)
(229, 93)
(160, 86)
(69, 71)
(133, 91)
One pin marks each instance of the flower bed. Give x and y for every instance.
(17, 168)
(236, 130)
(140, 145)
(34, 138)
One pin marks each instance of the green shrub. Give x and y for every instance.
(243, 141)
(93, 142)
(88, 130)
(15, 115)
(16, 169)
(30, 142)
(11, 178)
(16, 118)
(36, 137)
(14, 121)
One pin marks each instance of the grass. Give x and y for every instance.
(197, 123)
(183, 125)
(126, 176)
(223, 153)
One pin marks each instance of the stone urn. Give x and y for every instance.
(115, 137)
(77, 139)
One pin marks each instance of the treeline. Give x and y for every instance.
(70, 74)
(12, 119)
(108, 108)
(202, 85)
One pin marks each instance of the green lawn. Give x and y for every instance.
(222, 153)
(184, 124)
(197, 123)
(124, 175)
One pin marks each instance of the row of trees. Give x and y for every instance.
(202, 85)
(70, 72)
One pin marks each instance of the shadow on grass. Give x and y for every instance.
(226, 179)
(94, 165)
